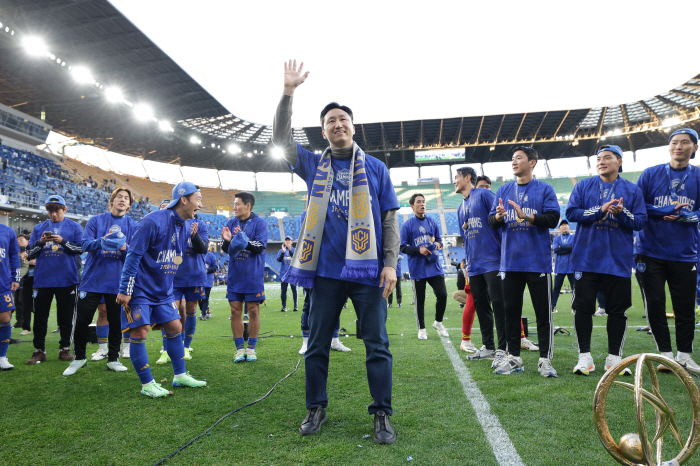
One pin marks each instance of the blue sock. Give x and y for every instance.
(240, 343)
(190, 327)
(176, 352)
(305, 333)
(139, 358)
(165, 340)
(252, 342)
(336, 334)
(5, 335)
(127, 338)
(102, 334)
(182, 338)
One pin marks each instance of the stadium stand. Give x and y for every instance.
(404, 193)
(453, 227)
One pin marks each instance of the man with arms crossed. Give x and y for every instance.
(608, 209)
(562, 247)
(524, 210)
(348, 246)
(667, 246)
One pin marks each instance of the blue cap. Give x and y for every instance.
(690, 132)
(55, 200)
(182, 189)
(288, 238)
(614, 149)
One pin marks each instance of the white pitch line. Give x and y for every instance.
(502, 447)
(535, 328)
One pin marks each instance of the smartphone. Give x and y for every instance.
(48, 233)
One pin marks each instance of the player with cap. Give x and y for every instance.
(105, 240)
(284, 257)
(146, 286)
(524, 211)
(667, 247)
(608, 210)
(421, 242)
(245, 240)
(562, 247)
(55, 243)
(348, 247)
(212, 266)
(10, 275)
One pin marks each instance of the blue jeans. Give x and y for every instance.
(327, 299)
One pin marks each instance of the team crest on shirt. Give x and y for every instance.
(343, 176)
(83, 294)
(641, 266)
(173, 239)
(675, 182)
(360, 240)
(577, 275)
(307, 251)
(114, 228)
(421, 229)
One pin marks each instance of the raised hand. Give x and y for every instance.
(606, 207)
(226, 234)
(195, 227)
(236, 230)
(616, 209)
(500, 210)
(293, 77)
(673, 218)
(518, 211)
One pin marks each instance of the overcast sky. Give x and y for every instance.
(391, 60)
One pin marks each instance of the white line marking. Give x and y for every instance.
(502, 447)
(531, 329)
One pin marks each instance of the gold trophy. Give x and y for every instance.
(635, 449)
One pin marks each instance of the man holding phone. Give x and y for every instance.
(55, 243)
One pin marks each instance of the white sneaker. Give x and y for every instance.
(422, 334)
(498, 358)
(528, 345)
(116, 366)
(338, 345)
(600, 312)
(240, 356)
(611, 360)
(74, 366)
(126, 352)
(482, 354)
(468, 346)
(250, 355)
(99, 355)
(688, 364)
(554, 310)
(585, 364)
(510, 365)
(25, 333)
(5, 364)
(441, 330)
(304, 346)
(544, 366)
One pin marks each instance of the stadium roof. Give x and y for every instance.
(97, 35)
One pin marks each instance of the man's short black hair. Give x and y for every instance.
(483, 178)
(464, 171)
(246, 198)
(529, 151)
(333, 105)
(413, 198)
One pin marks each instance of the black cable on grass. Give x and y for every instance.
(227, 415)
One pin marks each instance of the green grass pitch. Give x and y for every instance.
(98, 417)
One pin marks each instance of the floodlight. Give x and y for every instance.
(249, 154)
(165, 126)
(277, 153)
(617, 132)
(82, 75)
(234, 149)
(603, 138)
(114, 94)
(34, 46)
(492, 148)
(671, 121)
(143, 112)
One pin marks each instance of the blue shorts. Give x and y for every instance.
(137, 315)
(7, 302)
(246, 297)
(189, 294)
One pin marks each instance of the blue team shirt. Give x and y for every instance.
(159, 238)
(246, 271)
(417, 232)
(562, 247)
(210, 262)
(482, 244)
(383, 198)
(675, 241)
(286, 260)
(604, 243)
(10, 264)
(193, 270)
(525, 247)
(103, 269)
(57, 268)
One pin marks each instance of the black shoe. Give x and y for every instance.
(14, 341)
(390, 306)
(56, 330)
(284, 309)
(399, 306)
(313, 421)
(383, 432)
(296, 310)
